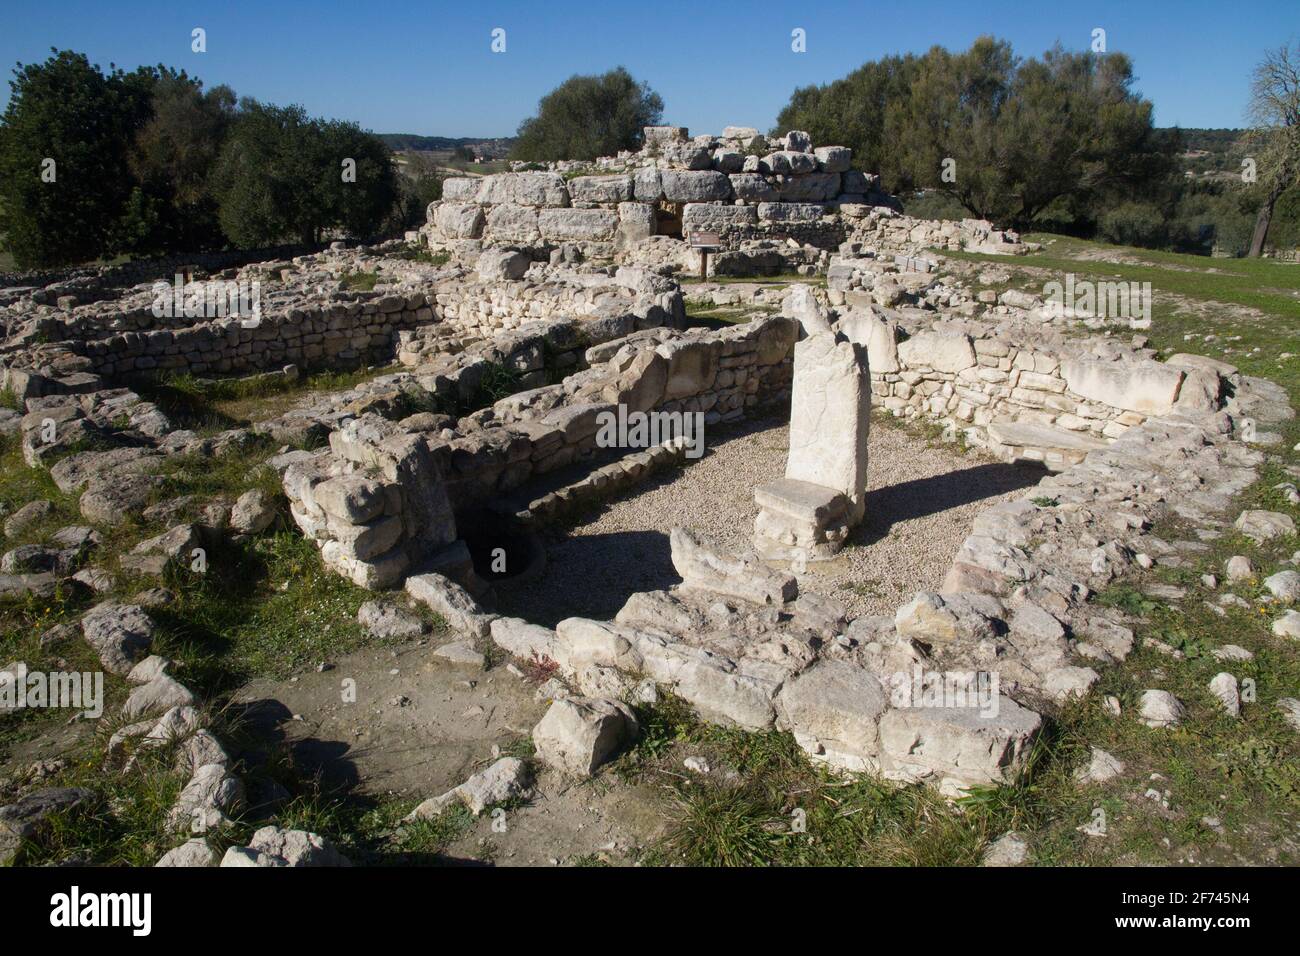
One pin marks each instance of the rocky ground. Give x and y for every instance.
(395, 734)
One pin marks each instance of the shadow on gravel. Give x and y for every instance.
(922, 497)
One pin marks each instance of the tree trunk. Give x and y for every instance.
(1265, 219)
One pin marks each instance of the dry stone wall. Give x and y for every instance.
(949, 690)
(391, 491)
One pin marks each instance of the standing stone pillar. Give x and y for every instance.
(808, 514)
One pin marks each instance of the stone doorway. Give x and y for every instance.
(668, 218)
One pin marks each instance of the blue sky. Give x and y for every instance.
(397, 66)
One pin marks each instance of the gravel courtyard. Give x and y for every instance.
(920, 506)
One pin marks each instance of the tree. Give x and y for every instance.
(852, 111)
(419, 184)
(171, 208)
(1005, 137)
(64, 171)
(589, 116)
(283, 175)
(1275, 114)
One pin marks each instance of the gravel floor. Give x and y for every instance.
(920, 506)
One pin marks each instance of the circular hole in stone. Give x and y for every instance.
(501, 549)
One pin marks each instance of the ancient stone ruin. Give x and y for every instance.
(771, 204)
(561, 301)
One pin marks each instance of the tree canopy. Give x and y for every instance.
(1004, 136)
(96, 164)
(281, 174)
(64, 147)
(589, 116)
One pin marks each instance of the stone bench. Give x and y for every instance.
(800, 519)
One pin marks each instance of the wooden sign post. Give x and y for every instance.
(705, 241)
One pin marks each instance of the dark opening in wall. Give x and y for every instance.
(668, 218)
(500, 548)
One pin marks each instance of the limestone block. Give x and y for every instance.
(461, 189)
(692, 185)
(797, 519)
(659, 136)
(636, 220)
(961, 747)
(787, 162)
(604, 190)
(496, 265)
(830, 413)
(512, 223)
(812, 188)
(692, 366)
(579, 734)
(1147, 387)
(790, 212)
(802, 304)
(710, 217)
(943, 353)
(590, 225)
(524, 189)
(351, 499)
(834, 710)
(704, 567)
(878, 333)
(459, 220)
(798, 141)
(833, 159)
(753, 188)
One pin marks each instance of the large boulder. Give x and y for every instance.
(603, 190)
(943, 353)
(591, 225)
(685, 186)
(459, 220)
(496, 265)
(451, 601)
(957, 747)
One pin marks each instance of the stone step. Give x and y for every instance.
(1048, 445)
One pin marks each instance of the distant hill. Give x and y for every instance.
(494, 147)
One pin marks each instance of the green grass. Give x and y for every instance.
(708, 315)
(784, 278)
(210, 405)
(422, 254)
(1264, 284)
(764, 804)
(359, 281)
